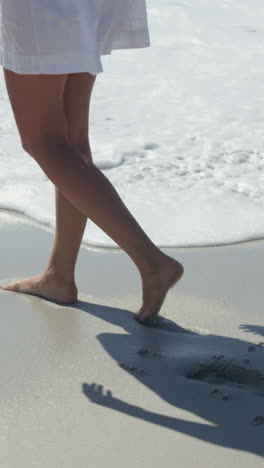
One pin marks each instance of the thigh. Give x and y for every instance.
(38, 105)
(77, 96)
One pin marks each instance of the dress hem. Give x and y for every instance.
(89, 61)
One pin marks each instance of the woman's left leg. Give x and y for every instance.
(57, 282)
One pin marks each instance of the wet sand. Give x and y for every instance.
(86, 385)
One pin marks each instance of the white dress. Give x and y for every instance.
(68, 36)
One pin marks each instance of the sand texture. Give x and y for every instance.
(86, 385)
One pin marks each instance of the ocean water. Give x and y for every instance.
(178, 128)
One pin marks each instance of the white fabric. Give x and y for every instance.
(67, 36)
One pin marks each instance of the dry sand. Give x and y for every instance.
(86, 385)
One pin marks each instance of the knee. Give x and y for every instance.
(41, 145)
(84, 148)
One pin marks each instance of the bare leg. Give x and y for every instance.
(84, 185)
(70, 222)
(70, 226)
(57, 283)
(98, 199)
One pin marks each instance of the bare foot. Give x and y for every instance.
(156, 286)
(46, 286)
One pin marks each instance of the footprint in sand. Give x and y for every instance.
(226, 372)
(147, 352)
(258, 420)
(131, 368)
(246, 361)
(218, 356)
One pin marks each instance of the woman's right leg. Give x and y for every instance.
(70, 222)
(45, 136)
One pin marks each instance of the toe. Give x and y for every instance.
(149, 321)
(143, 316)
(10, 287)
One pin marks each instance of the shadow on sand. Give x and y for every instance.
(224, 389)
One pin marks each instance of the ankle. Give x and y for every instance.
(60, 274)
(152, 265)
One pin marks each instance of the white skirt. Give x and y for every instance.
(68, 36)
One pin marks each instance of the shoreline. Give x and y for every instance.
(21, 217)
